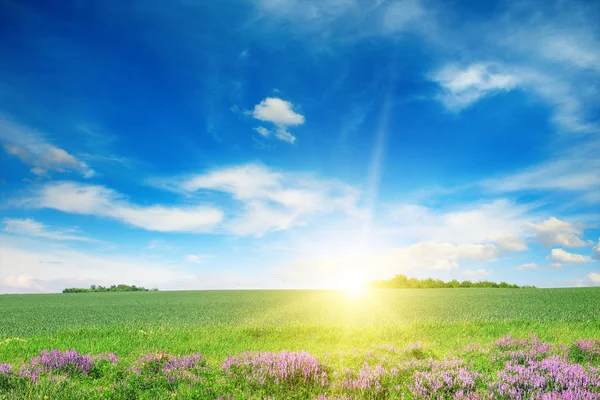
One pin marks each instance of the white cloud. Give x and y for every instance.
(32, 149)
(594, 277)
(29, 227)
(558, 257)
(277, 111)
(475, 273)
(553, 231)
(73, 197)
(463, 86)
(575, 170)
(401, 15)
(280, 113)
(243, 182)
(274, 200)
(527, 266)
(579, 49)
(510, 242)
(197, 258)
(596, 251)
(499, 221)
(261, 130)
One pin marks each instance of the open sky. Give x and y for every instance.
(298, 143)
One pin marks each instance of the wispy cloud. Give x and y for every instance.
(197, 258)
(77, 198)
(463, 86)
(575, 170)
(271, 199)
(475, 273)
(29, 227)
(403, 15)
(32, 149)
(527, 266)
(501, 221)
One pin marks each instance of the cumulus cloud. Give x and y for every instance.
(29, 227)
(32, 149)
(510, 242)
(77, 198)
(553, 231)
(527, 266)
(594, 277)
(281, 114)
(274, 200)
(463, 86)
(558, 257)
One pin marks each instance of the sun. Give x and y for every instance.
(353, 286)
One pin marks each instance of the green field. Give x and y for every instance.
(218, 323)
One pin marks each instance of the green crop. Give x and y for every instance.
(218, 323)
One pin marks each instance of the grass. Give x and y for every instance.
(338, 328)
(217, 323)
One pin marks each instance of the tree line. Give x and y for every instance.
(401, 281)
(112, 288)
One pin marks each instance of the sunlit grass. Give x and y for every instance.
(218, 323)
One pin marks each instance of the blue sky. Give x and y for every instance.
(298, 144)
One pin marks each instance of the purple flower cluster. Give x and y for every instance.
(424, 378)
(285, 367)
(586, 350)
(443, 379)
(368, 380)
(171, 367)
(508, 348)
(552, 377)
(56, 361)
(5, 369)
(511, 368)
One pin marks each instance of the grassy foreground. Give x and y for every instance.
(200, 344)
(218, 323)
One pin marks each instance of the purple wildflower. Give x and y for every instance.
(284, 367)
(5, 369)
(170, 367)
(68, 361)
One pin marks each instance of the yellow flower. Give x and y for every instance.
(45, 397)
(173, 394)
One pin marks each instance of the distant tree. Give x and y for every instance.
(112, 288)
(401, 281)
(454, 283)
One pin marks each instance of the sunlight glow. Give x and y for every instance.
(353, 286)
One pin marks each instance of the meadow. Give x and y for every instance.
(326, 332)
